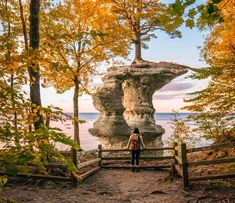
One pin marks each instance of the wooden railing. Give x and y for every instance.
(74, 178)
(179, 163)
(182, 164)
(94, 163)
(82, 177)
(127, 157)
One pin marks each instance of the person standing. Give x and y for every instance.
(135, 144)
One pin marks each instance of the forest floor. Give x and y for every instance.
(117, 186)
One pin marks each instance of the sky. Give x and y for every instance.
(183, 50)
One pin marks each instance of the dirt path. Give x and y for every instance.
(117, 186)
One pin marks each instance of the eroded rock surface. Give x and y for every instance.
(125, 100)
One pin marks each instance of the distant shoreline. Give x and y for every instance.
(93, 116)
(154, 113)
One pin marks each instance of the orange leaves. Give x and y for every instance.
(10, 42)
(78, 35)
(146, 12)
(220, 45)
(216, 103)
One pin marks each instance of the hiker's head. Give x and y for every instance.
(136, 131)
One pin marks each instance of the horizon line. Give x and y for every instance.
(155, 112)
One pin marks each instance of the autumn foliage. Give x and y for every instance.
(215, 104)
(63, 45)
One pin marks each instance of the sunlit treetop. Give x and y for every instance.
(143, 18)
(78, 36)
(215, 104)
(220, 45)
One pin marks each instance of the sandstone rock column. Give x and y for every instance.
(139, 111)
(108, 101)
(125, 100)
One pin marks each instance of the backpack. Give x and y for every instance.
(134, 142)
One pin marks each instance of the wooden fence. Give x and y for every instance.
(95, 163)
(181, 163)
(74, 178)
(126, 157)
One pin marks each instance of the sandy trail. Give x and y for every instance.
(117, 186)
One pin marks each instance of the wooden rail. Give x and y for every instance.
(148, 149)
(219, 146)
(141, 167)
(87, 163)
(142, 158)
(88, 174)
(74, 179)
(80, 153)
(48, 177)
(75, 154)
(179, 166)
(229, 175)
(208, 162)
(181, 163)
(84, 176)
(121, 157)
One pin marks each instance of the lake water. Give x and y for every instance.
(89, 142)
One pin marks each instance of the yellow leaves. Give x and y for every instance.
(3, 181)
(215, 104)
(35, 111)
(221, 41)
(77, 120)
(77, 35)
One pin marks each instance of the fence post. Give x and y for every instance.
(74, 181)
(175, 162)
(100, 154)
(184, 164)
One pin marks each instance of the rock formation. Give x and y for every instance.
(125, 100)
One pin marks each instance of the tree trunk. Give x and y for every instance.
(12, 80)
(138, 55)
(137, 41)
(24, 28)
(13, 102)
(75, 110)
(14, 108)
(26, 42)
(34, 71)
(76, 128)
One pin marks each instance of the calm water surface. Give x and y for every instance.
(90, 142)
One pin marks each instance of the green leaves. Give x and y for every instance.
(216, 1)
(192, 12)
(189, 2)
(3, 180)
(212, 8)
(189, 23)
(25, 148)
(93, 33)
(163, 19)
(26, 156)
(12, 171)
(178, 7)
